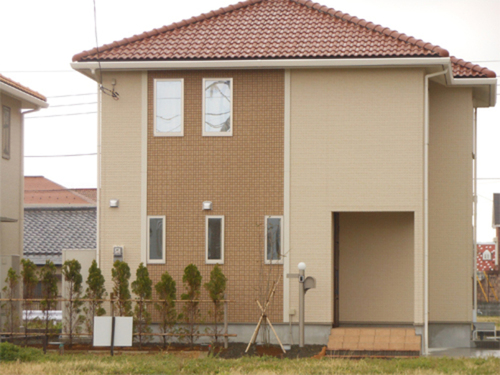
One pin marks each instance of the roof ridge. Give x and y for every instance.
(374, 27)
(164, 29)
(475, 67)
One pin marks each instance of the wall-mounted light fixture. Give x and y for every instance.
(114, 203)
(207, 205)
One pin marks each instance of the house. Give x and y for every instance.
(57, 219)
(15, 101)
(273, 132)
(496, 216)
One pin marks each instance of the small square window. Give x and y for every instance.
(218, 107)
(273, 236)
(5, 132)
(156, 239)
(169, 107)
(214, 241)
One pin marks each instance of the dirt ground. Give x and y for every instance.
(235, 350)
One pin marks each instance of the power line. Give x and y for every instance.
(68, 114)
(39, 71)
(67, 96)
(71, 105)
(58, 156)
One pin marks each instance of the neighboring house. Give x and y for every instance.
(15, 101)
(316, 137)
(56, 219)
(487, 257)
(488, 273)
(496, 216)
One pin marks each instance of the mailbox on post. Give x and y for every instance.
(305, 283)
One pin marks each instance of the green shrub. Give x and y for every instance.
(120, 274)
(192, 283)
(143, 289)
(216, 288)
(166, 290)
(95, 292)
(11, 352)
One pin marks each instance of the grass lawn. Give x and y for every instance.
(495, 319)
(75, 364)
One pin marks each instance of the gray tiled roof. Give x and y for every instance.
(496, 210)
(49, 230)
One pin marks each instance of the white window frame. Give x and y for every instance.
(214, 261)
(270, 261)
(156, 261)
(169, 134)
(217, 134)
(6, 134)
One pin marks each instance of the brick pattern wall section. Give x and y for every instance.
(242, 175)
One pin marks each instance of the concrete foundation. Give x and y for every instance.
(449, 335)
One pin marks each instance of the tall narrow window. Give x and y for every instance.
(5, 132)
(156, 239)
(273, 235)
(214, 247)
(169, 108)
(217, 107)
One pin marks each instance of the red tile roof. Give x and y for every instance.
(41, 190)
(267, 29)
(22, 88)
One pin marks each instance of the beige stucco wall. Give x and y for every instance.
(11, 185)
(120, 176)
(450, 205)
(356, 145)
(376, 267)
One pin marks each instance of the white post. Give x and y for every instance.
(302, 271)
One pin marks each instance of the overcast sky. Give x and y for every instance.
(39, 38)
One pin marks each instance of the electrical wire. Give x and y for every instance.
(68, 114)
(67, 96)
(103, 89)
(58, 156)
(71, 105)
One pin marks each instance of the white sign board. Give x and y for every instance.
(123, 331)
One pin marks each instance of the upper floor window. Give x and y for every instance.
(5, 132)
(169, 107)
(273, 236)
(217, 107)
(156, 239)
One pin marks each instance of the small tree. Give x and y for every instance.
(192, 283)
(10, 292)
(49, 294)
(73, 277)
(29, 279)
(120, 274)
(166, 290)
(142, 287)
(216, 288)
(95, 292)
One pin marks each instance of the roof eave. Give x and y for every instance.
(484, 88)
(28, 101)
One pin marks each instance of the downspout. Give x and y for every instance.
(474, 210)
(98, 209)
(426, 209)
(21, 192)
